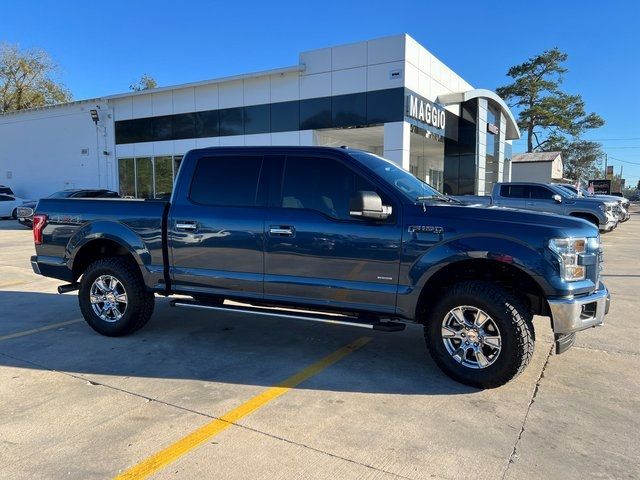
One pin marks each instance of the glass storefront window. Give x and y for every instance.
(127, 177)
(349, 110)
(207, 124)
(163, 177)
(315, 113)
(285, 117)
(177, 160)
(257, 119)
(231, 121)
(144, 177)
(184, 126)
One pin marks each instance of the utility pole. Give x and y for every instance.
(606, 159)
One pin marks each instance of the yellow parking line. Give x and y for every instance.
(40, 329)
(11, 284)
(170, 454)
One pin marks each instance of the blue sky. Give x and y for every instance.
(102, 47)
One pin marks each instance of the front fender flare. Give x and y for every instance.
(497, 248)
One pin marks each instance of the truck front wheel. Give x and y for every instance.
(113, 298)
(479, 334)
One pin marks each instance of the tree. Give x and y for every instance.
(146, 82)
(543, 109)
(27, 79)
(582, 158)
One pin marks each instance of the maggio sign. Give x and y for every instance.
(425, 111)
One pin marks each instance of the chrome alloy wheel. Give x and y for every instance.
(108, 298)
(471, 337)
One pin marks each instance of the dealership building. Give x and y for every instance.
(389, 96)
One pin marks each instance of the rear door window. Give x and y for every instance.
(514, 191)
(230, 181)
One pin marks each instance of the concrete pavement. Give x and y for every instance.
(79, 405)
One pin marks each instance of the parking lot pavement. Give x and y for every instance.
(201, 394)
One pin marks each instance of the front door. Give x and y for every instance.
(216, 229)
(315, 252)
(541, 199)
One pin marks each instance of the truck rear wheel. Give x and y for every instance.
(113, 298)
(479, 334)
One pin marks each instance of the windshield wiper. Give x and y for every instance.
(441, 198)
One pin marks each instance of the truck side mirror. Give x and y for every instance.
(557, 198)
(368, 204)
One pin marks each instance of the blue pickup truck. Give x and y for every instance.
(331, 235)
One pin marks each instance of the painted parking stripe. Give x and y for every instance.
(40, 329)
(12, 284)
(196, 438)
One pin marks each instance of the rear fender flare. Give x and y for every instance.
(107, 230)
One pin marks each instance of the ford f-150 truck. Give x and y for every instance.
(548, 197)
(332, 235)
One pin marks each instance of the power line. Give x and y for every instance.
(629, 146)
(623, 161)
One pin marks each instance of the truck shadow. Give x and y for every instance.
(228, 348)
(10, 224)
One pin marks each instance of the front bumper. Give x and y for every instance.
(610, 225)
(572, 314)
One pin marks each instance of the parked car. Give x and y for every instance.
(9, 205)
(622, 210)
(549, 198)
(331, 230)
(25, 212)
(4, 190)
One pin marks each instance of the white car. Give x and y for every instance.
(9, 205)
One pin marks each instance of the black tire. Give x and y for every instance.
(509, 315)
(140, 301)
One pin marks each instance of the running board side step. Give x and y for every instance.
(351, 321)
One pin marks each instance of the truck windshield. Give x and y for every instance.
(413, 188)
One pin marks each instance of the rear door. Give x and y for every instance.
(315, 252)
(215, 228)
(513, 195)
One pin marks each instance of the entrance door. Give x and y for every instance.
(316, 252)
(216, 229)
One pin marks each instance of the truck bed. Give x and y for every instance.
(77, 220)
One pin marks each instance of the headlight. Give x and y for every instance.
(567, 250)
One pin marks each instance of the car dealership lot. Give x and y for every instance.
(79, 405)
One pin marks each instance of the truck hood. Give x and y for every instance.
(508, 221)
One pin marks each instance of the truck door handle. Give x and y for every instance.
(282, 231)
(191, 226)
(530, 203)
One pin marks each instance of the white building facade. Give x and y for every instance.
(389, 96)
